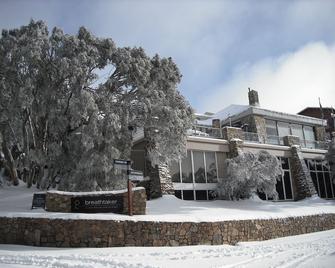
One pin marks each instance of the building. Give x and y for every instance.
(297, 140)
(323, 113)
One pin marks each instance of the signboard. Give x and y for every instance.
(97, 203)
(136, 175)
(38, 200)
(122, 164)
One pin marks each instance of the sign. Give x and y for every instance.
(122, 164)
(136, 175)
(97, 203)
(38, 200)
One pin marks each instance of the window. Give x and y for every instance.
(276, 130)
(296, 130)
(309, 137)
(186, 169)
(211, 170)
(196, 175)
(284, 184)
(321, 177)
(199, 167)
(283, 129)
(175, 171)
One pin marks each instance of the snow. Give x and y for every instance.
(225, 113)
(16, 202)
(92, 193)
(309, 250)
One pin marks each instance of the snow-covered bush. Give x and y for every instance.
(248, 174)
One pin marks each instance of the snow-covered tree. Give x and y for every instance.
(248, 174)
(63, 124)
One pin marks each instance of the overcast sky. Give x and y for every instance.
(283, 49)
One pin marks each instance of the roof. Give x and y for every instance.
(331, 109)
(225, 113)
(235, 112)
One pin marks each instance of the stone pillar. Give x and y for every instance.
(154, 182)
(320, 133)
(232, 133)
(301, 179)
(216, 123)
(253, 98)
(235, 147)
(291, 140)
(257, 125)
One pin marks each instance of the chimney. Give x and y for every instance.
(253, 97)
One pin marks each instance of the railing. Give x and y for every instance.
(205, 131)
(251, 137)
(210, 132)
(275, 140)
(314, 144)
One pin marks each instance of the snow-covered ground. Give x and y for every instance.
(310, 250)
(16, 201)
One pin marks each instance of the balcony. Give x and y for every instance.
(205, 131)
(218, 133)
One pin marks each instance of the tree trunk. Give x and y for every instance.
(10, 162)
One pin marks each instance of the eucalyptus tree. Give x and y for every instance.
(56, 116)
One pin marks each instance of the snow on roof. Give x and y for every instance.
(236, 112)
(225, 113)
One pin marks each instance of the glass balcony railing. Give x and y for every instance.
(210, 132)
(251, 137)
(205, 131)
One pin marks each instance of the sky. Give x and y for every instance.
(283, 49)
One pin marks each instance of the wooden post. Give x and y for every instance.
(130, 198)
(130, 191)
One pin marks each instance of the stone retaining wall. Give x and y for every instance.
(57, 201)
(109, 233)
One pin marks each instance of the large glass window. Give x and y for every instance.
(297, 131)
(195, 176)
(199, 167)
(284, 184)
(321, 177)
(186, 167)
(211, 170)
(175, 171)
(275, 130)
(283, 129)
(309, 133)
(271, 128)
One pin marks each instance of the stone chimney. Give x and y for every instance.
(253, 97)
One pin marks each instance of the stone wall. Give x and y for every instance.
(232, 133)
(108, 233)
(302, 181)
(57, 201)
(320, 133)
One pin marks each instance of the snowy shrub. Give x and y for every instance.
(248, 174)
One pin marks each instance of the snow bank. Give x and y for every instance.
(16, 202)
(309, 250)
